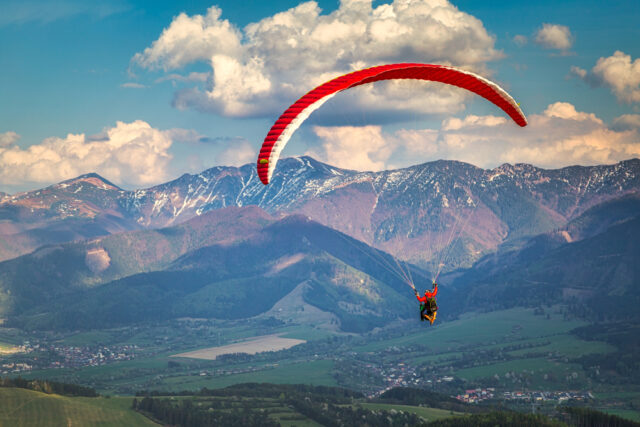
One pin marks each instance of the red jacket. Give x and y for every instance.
(428, 294)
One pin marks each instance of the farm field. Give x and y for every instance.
(251, 346)
(20, 407)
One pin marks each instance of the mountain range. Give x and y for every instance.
(517, 235)
(412, 213)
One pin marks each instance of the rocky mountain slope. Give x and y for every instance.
(442, 212)
(77, 209)
(591, 264)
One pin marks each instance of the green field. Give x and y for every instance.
(429, 414)
(90, 338)
(567, 345)
(623, 413)
(315, 373)
(483, 329)
(534, 367)
(20, 407)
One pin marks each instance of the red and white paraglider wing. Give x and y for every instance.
(292, 118)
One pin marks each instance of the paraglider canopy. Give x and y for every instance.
(292, 118)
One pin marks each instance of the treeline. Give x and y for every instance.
(280, 391)
(240, 410)
(250, 405)
(565, 417)
(183, 413)
(331, 415)
(502, 419)
(418, 397)
(49, 387)
(584, 417)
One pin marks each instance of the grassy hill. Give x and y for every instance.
(231, 279)
(20, 407)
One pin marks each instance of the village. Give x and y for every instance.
(555, 396)
(476, 395)
(59, 357)
(481, 394)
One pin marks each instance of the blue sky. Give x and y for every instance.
(87, 87)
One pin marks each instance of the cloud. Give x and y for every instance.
(351, 147)
(191, 77)
(262, 68)
(238, 152)
(132, 85)
(627, 122)
(552, 36)
(44, 11)
(190, 39)
(565, 110)
(560, 136)
(487, 121)
(8, 138)
(129, 153)
(520, 40)
(617, 72)
(578, 72)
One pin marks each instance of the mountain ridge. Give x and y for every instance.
(408, 212)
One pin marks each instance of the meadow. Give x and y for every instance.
(20, 407)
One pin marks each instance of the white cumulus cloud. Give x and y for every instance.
(352, 147)
(189, 39)
(129, 153)
(260, 69)
(8, 138)
(618, 72)
(553, 36)
(560, 136)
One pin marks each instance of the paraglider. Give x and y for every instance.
(299, 111)
(428, 304)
